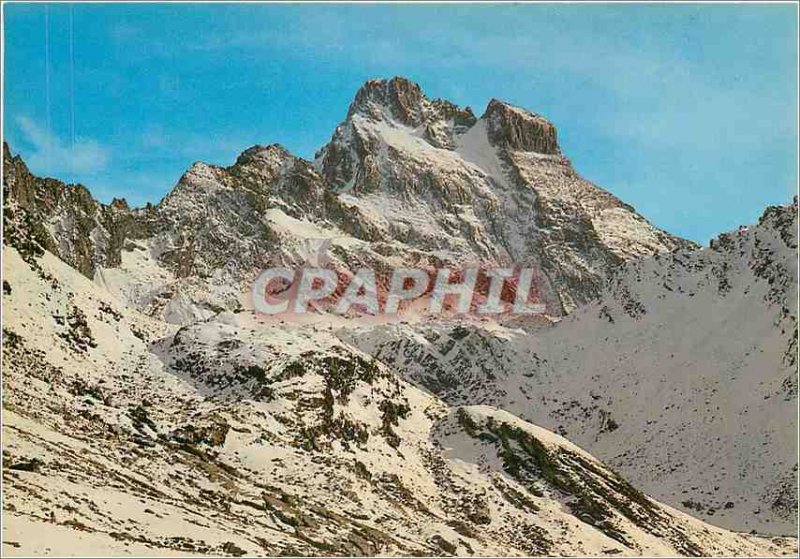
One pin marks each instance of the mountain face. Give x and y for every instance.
(682, 374)
(126, 435)
(404, 180)
(148, 411)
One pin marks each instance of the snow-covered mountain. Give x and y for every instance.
(123, 435)
(404, 180)
(147, 410)
(682, 374)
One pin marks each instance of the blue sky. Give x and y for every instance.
(687, 112)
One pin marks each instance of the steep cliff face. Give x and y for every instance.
(516, 129)
(404, 179)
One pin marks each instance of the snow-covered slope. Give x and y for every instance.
(124, 436)
(682, 375)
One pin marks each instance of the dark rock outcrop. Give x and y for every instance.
(515, 128)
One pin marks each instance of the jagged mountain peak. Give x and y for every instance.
(512, 127)
(402, 98)
(422, 173)
(199, 176)
(401, 101)
(254, 170)
(271, 154)
(120, 204)
(263, 164)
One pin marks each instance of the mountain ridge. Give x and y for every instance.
(401, 175)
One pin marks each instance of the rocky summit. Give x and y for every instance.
(147, 410)
(404, 179)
